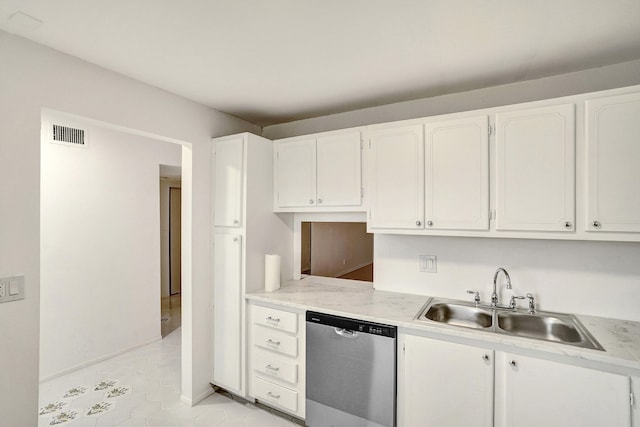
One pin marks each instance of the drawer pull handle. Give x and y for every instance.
(273, 368)
(273, 319)
(272, 342)
(275, 396)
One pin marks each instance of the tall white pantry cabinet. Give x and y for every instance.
(245, 228)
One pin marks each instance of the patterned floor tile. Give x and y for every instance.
(151, 377)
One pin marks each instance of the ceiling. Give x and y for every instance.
(273, 61)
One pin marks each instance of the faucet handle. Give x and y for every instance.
(476, 296)
(532, 304)
(512, 302)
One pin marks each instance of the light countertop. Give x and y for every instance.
(620, 338)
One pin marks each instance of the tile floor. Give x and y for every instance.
(170, 312)
(142, 388)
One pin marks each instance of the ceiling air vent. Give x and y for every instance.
(68, 136)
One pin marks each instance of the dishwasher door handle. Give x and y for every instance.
(346, 333)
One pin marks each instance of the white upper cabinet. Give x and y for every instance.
(228, 181)
(535, 169)
(319, 172)
(397, 177)
(457, 174)
(613, 164)
(296, 173)
(339, 172)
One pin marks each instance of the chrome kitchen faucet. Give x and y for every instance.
(494, 294)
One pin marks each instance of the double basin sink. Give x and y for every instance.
(547, 326)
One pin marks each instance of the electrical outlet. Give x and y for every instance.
(428, 263)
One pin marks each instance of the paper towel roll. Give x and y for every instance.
(271, 272)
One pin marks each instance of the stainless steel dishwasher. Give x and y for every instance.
(351, 372)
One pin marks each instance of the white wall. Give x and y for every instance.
(593, 278)
(598, 278)
(610, 77)
(33, 77)
(338, 248)
(100, 243)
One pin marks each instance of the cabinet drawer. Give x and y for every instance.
(275, 341)
(276, 319)
(275, 394)
(274, 366)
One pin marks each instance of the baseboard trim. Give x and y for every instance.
(197, 399)
(94, 361)
(352, 269)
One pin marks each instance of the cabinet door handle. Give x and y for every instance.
(596, 224)
(430, 223)
(418, 223)
(485, 357)
(273, 319)
(235, 239)
(275, 396)
(235, 221)
(272, 368)
(567, 224)
(513, 363)
(310, 201)
(319, 201)
(272, 342)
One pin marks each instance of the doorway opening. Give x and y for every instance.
(100, 244)
(336, 249)
(171, 241)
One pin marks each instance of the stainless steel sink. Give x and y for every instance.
(547, 326)
(556, 327)
(460, 315)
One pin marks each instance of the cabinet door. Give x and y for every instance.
(397, 178)
(533, 392)
(227, 312)
(296, 173)
(635, 408)
(228, 176)
(445, 384)
(457, 174)
(613, 163)
(535, 169)
(338, 168)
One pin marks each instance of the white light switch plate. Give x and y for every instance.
(11, 288)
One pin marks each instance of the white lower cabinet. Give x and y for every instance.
(449, 384)
(277, 359)
(635, 405)
(532, 392)
(444, 384)
(227, 292)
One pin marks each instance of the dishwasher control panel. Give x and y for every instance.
(352, 324)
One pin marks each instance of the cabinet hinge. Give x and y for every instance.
(361, 145)
(369, 144)
(632, 400)
(362, 192)
(403, 348)
(490, 130)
